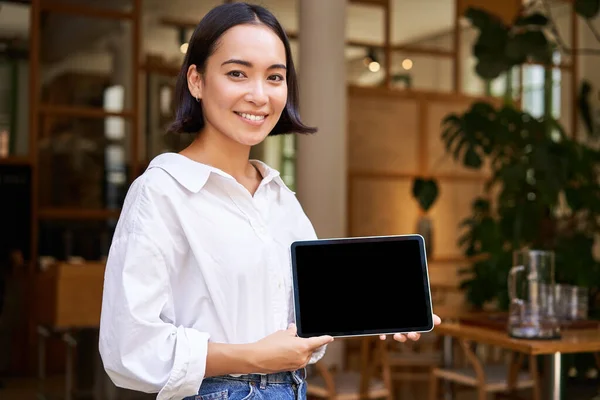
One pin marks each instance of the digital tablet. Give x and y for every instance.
(361, 286)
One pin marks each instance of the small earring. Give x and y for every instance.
(198, 99)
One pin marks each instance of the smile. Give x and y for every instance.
(251, 117)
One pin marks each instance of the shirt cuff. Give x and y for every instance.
(189, 367)
(318, 354)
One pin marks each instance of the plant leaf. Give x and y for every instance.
(536, 19)
(425, 191)
(587, 8)
(480, 18)
(472, 159)
(488, 68)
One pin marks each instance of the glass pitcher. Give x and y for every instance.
(532, 312)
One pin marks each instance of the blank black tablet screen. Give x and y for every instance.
(348, 287)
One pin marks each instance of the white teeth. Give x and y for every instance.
(252, 117)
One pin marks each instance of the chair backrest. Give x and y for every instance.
(373, 357)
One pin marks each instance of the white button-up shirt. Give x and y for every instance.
(195, 258)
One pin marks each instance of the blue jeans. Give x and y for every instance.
(279, 386)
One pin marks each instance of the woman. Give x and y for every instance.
(197, 297)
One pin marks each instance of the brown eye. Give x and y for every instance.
(236, 74)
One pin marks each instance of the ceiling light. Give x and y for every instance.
(374, 66)
(407, 64)
(370, 57)
(184, 48)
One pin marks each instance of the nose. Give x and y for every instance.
(256, 94)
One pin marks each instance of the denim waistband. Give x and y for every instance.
(279, 377)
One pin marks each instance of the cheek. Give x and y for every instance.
(279, 99)
(226, 97)
(222, 94)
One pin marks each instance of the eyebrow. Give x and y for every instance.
(249, 64)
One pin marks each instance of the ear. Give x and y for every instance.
(194, 79)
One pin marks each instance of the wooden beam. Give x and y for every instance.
(378, 3)
(15, 160)
(84, 10)
(456, 61)
(506, 10)
(136, 29)
(440, 176)
(161, 69)
(574, 75)
(387, 43)
(82, 112)
(77, 214)
(423, 51)
(34, 123)
(562, 66)
(178, 23)
(400, 47)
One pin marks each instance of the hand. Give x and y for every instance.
(400, 337)
(284, 351)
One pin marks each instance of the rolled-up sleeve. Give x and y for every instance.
(318, 354)
(140, 347)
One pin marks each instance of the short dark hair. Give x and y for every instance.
(189, 116)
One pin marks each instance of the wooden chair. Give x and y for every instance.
(488, 379)
(414, 361)
(372, 381)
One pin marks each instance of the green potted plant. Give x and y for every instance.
(544, 183)
(425, 191)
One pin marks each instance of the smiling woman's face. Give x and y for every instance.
(243, 88)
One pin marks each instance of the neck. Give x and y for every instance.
(219, 151)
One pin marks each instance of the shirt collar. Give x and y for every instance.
(193, 175)
(269, 174)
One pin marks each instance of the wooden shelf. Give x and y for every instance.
(62, 7)
(15, 160)
(81, 112)
(161, 69)
(77, 214)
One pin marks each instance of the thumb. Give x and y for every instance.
(318, 341)
(292, 329)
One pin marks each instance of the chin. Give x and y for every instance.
(253, 138)
(252, 141)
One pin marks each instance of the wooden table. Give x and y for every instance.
(573, 341)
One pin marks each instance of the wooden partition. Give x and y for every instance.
(392, 138)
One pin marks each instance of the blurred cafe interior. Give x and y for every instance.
(475, 123)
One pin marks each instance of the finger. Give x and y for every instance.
(436, 320)
(414, 336)
(318, 341)
(292, 330)
(400, 337)
(382, 337)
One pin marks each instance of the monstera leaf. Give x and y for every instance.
(587, 8)
(426, 192)
(499, 47)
